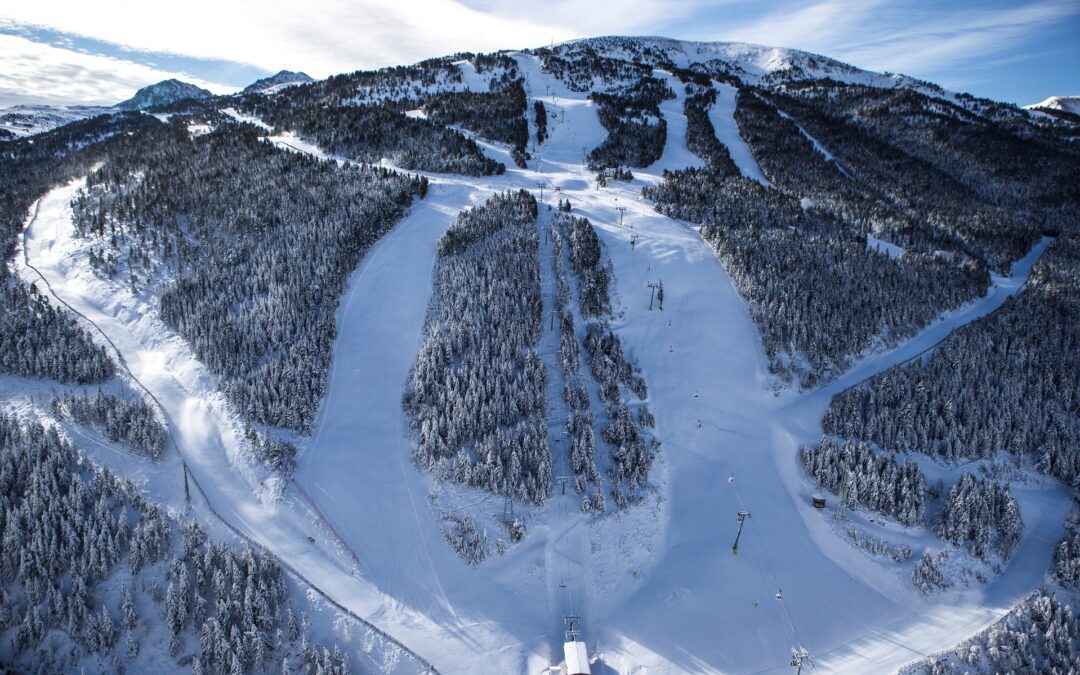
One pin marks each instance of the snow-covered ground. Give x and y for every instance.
(660, 586)
(882, 246)
(722, 116)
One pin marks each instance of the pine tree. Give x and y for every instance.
(129, 619)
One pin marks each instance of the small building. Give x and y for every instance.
(577, 658)
(818, 501)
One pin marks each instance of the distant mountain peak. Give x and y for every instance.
(275, 83)
(1069, 104)
(162, 93)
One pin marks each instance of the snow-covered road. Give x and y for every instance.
(666, 591)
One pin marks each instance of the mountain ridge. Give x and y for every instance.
(163, 93)
(275, 83)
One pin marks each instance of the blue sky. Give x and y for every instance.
(100, 52)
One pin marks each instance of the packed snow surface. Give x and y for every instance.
(722, 116)
(658, 588)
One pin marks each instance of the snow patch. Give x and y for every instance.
(882, 246)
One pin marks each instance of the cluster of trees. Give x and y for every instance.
(238, 602)
(42, 493)
(585, 261)
(701, 135)
(255, 244)
(397, 85)
(132, 422)
(609, 366)
(65, 529)
(1039, 635)
(475, 395)
(1066, 565)
(496, 115)
(775, 250)
(279, 456)
(369, 133)
(808, 233)
(633, 447)
(799, 167)
(1008, 382)
(930, 573)
(878, 547)
(540, 114)
(981, 516)
(39, 340)
(913, 203)
(637, 131)
(581, 67)
(633, 451)
(579, 415)
(875, 481)
(468, 542)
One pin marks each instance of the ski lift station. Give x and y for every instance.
(577, 658)
(575, 654)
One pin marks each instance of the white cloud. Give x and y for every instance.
(37, 73)
(599, 17)
(322, 37)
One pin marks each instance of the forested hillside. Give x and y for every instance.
(37, 339)
(1005, 384)
(251, 256)
(128, 580)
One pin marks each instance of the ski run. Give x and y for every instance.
(657, 588)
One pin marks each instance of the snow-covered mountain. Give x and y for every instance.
(1069, 104)
(162, 93)
(275, 83)
(730, 351)
(26, 120)
(750, 62)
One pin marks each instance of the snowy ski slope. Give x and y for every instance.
(658, 587)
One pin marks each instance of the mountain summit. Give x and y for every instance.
(162, 93)
(1069, 104)
(275, 83)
